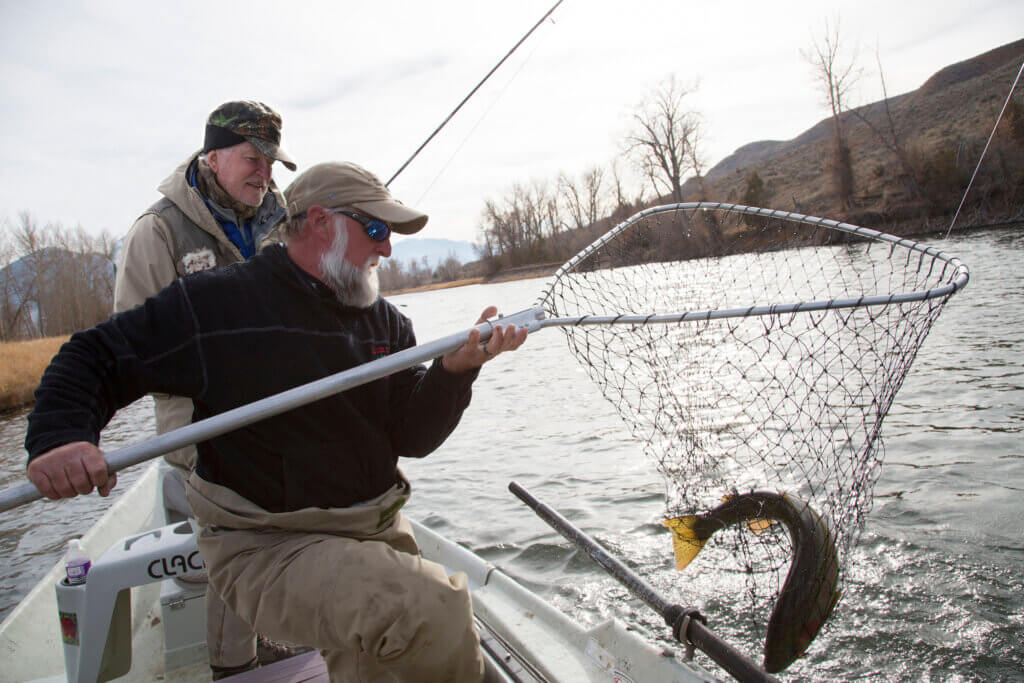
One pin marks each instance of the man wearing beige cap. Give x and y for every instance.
(220, 206)
(301, 525)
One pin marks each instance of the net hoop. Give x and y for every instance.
(783, 341)
(958, 281)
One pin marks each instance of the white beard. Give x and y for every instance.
(353, 286)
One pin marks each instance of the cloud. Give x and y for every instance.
(368, 83)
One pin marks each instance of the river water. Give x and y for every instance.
(935, 590)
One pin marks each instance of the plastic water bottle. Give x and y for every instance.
(76, 562)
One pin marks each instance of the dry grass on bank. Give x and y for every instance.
(436, 285)
(522, 273)
(21, 368)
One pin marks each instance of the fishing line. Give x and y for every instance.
(472, 92)
(483, 116)
(987, 143)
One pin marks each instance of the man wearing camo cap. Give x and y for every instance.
(220, 206)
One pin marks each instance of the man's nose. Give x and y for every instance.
(384, 248)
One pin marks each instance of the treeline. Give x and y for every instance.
(548, 221)
(542, 222)
(396, 275)
(53, 280)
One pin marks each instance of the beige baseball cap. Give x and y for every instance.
(336, 184)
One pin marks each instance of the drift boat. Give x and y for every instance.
(133, 620)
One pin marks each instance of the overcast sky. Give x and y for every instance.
(102, 100)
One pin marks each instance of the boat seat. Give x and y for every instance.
(96, 615)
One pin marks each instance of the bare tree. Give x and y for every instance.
(584, 200)
(891, 137)
(32, 243)
(836, 73)
(515, 228)
(62, 280)
(663, 143)
(7, 302)
(390, 275)
(695, 157)
(623, 205)
(449, 270)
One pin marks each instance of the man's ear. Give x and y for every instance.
(213, 159)
(322, 223)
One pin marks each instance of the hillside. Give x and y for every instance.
(942, 127)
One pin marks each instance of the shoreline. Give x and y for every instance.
(522, 273)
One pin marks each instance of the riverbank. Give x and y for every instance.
(21, 367)
(508, 275)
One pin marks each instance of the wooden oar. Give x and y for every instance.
(282, 402)
(687, 626)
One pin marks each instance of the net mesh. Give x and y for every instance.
(765, 397)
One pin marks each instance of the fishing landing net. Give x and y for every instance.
(788, 339)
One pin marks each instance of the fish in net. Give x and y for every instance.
(755, 354)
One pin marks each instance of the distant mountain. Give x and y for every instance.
(435, 250)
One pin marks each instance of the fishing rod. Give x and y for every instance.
(472, 92)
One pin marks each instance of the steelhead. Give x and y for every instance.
(809, 592)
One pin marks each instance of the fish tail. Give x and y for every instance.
(685, 540)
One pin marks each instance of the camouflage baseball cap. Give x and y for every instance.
(340, 183)
(246, 121)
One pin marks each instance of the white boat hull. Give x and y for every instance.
(537, 640)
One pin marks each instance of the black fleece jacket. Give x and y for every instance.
(231, 336)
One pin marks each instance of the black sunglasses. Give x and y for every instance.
(376, 230)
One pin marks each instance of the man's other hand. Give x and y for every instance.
(72, 469)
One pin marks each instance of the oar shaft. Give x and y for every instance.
(282, 402)
(636, 585)
(726, 656)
